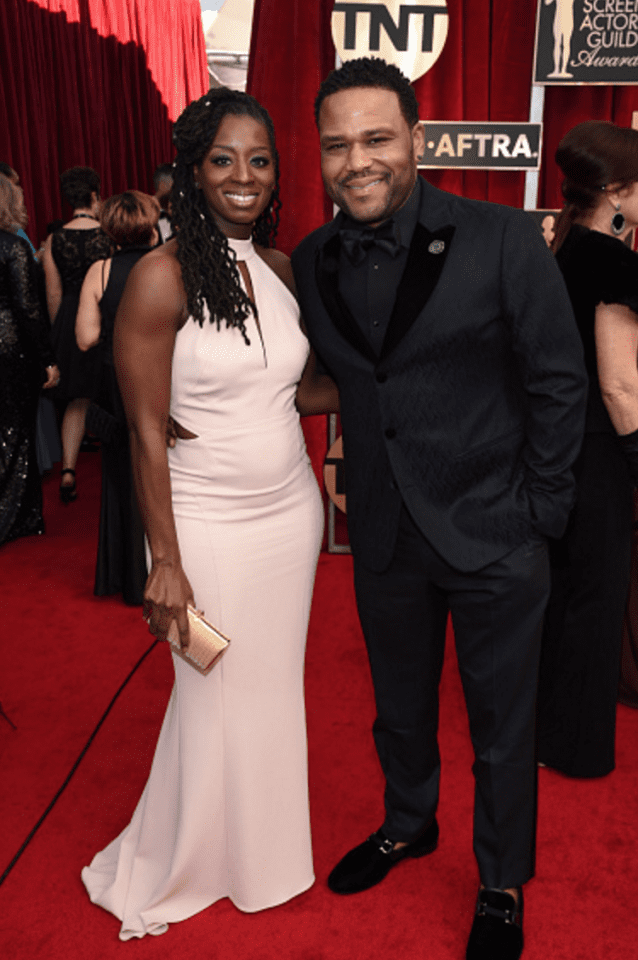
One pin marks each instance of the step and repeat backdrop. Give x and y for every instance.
(577, 43)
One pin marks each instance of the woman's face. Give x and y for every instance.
(237, 175)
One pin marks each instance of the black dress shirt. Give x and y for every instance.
(369, 288)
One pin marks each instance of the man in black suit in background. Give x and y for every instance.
(163, 184)
(446, 324)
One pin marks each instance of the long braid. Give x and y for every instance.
(209, 266)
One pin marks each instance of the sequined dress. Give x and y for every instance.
(25, 350)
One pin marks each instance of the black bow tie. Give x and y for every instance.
(357, 241)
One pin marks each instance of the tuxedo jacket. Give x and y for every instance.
(472, 413)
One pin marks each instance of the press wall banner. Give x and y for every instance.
(586, 41)
(468, 145)
(409, 35)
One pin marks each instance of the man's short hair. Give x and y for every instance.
(370, 72)
(163, 172)
(7, 170)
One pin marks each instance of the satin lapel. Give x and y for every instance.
(420, 277)
(327, 276)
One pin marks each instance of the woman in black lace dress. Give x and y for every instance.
(580, 664)
(26, 364)
(130, 220)
(68, 254)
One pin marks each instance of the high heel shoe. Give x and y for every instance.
(68, 492)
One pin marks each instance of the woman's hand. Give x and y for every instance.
(53, 377)
(166, 597)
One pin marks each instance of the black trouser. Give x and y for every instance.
(497, 617)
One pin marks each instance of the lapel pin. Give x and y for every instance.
(437, 246)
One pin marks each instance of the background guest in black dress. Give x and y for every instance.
(130, 220)
(580, 663)
(26, 364)
(68, 254)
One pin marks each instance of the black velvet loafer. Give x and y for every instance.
(497, 931)
(373, 859)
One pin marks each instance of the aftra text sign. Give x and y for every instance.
(410, 35)
(484, 146)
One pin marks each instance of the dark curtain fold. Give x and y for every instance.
(291, 52)
(96, 83)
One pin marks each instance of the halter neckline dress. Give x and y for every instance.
(225, 810)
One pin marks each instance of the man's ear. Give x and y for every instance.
(418, 141)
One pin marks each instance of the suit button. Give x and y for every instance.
(390, 433)
(381, 377)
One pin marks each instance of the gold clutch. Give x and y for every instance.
(205, 643)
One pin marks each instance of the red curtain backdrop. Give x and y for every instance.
(96, 83)
(484, 73)
(291, 52)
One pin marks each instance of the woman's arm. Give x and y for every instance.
(52, 279)
(616, 332)
(29, 310)
(88, 322)
(316, 392)
(150, 313)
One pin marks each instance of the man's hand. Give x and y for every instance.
(175, 431)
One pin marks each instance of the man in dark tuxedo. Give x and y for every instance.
(446, 324)
(163, 184)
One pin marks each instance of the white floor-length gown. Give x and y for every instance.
(225, 810)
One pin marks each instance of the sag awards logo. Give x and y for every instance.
(587, 41)
(410, 35)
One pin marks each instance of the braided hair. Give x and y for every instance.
(209, 266)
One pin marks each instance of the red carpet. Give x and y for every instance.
(64, 655)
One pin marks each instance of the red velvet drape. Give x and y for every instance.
(291, 52)
(97, 83)
(484, 73)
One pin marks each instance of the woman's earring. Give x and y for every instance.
(617, 222)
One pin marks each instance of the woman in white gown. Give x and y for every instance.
(208, 333)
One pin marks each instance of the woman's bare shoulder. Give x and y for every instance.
(159, 271)
(279, 263)
(155, 284)
(93, 276)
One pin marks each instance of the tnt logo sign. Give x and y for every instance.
(410, 35)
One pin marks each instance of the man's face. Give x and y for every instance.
(368, 152)
(163, 192)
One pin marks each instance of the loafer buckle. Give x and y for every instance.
(384, 846)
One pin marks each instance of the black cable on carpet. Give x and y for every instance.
(74, 767)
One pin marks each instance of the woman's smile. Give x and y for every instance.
(237, 174)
